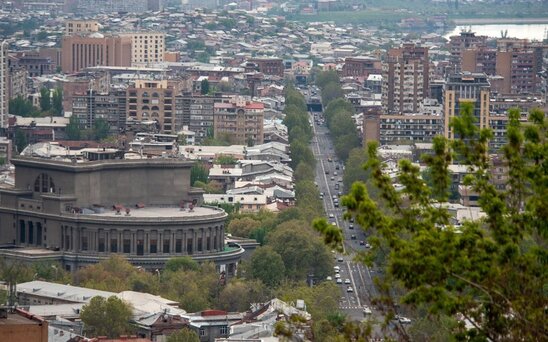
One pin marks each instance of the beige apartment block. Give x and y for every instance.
(81, 26)
(84, 51)
(240, 120)
(146, 47)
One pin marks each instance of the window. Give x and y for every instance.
(22, 231)
(127, 246)
(200, 244)
(189, 246)
(166, 246)
(140, 247)
(178, 245)
(101, 244)
(44, 183)
(223, 330)
(114, 245)
(202, 332)
(153, 246)
(208, 243)
(84, 243)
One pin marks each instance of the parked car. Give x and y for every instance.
(367, 310)
(329, 278)
(347, 281)
(339, 281)
(353, 237)
(349, 289)
(351, 226)
(340, 259)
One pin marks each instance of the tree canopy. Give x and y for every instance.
(106, 317)
(490, 272)
(183, 335)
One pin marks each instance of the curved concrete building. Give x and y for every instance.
(79, 213)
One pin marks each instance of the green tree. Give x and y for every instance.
(304, 172)
(302, 251)
(204, 87)
(57, 102)
(45, 99)
(183, 335)
(301, 152)
(330, 92)
(20, 140)
(243, 227)
(342, 124)
(198, 173)
(73, 129)
(490, 271)
(225, 159)
(106, 317)
(326, 77)
(344, 144)
(267, 266)
(101, 129)
(237, 295)
(184, 263)
(22, 107)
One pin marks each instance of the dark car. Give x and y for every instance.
(353, 237)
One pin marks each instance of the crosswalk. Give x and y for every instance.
(351, 307)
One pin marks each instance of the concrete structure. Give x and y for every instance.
(83, 51)
(405, 79)
(240, 120)
(361, 66)
(4, 83)
(110, 106)
(146, 47)
(17, 325)
(109, 6)
(458, 44)
(31, 61)
(81, 26)
(269, 65)
(466, 87)
(196, 112)
(153, 100)
(18, 86)
(79, 213)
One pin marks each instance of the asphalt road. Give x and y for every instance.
(327, 176)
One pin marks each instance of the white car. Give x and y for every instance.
(339, 281)
(347, 281)
(337, 275)
(349, 289)
(329, 278)
(337, 268)
(367, 245)
(367, 310)
(403, 320)
(331, 216)
(340, 259)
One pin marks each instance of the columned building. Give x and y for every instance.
(79, 213)
(466, 87)
(4, 84)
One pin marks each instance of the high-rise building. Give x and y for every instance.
(196, 112)
(81, 26)
(466, 87)
(405, 79)
(146, 47)
(458, 44)
(241, 121)
(153, 100)
(110, 106)
(4, 83)
(84, 51)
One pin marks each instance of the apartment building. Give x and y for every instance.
(109, 6)
(153, 100)
(93, 105)
(4, 84)
(82, 51)
(361, 66)
(146, 47)
(466, 87)
(81, 26)
(240, 120)
(196, 112)
(269, 65)
(405, 79)
(458, 44)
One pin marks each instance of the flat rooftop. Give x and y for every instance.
(161, 212)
